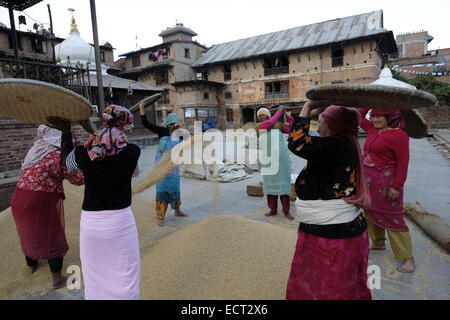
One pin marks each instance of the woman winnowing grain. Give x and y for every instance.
(37, 204)
(278, 184)
(109, 244)
(168, 190)
(331, 255)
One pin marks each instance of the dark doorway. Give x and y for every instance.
(248, 115)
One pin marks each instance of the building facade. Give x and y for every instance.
(413, 57)
(230, 81)
(164, 64)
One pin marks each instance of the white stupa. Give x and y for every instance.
(386, 79)
(76, 50)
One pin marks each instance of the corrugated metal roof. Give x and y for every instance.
(121, 83)
(312, 35)
(19, 5)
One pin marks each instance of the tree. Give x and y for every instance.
(428, 83)
(397, 75)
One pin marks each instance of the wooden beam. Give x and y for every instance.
(13, 30)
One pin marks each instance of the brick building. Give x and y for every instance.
(230, 81)
(413, 57)
(163, 64)
(37, 46)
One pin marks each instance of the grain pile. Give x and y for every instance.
(14, 277)
(224, 257)
(221, 258)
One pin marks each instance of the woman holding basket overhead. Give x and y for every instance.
(109, 245)
(331, 256)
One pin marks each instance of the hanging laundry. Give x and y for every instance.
(130, 89)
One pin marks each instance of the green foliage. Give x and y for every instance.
(428, 83)
(397, 75)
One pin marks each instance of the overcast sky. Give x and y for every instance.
(218, 21)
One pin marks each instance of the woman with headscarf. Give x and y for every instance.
(278, 184)
(386, 158)
(37, 204)
(331, 255)
(109, 244)
(167, 190)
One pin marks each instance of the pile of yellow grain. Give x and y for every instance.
(224, 257)
(221, 258)
(14, 277)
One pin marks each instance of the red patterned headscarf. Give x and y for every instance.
(110, 139)
(394, 117)
(344, 121)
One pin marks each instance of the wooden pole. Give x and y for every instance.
(101, 96)
(13, 30)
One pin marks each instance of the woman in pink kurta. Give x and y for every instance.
(37, 204)
(278, 184)
(386, 158)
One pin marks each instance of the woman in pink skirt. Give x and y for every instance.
(331, 256)
(109, 244)
(386, 158)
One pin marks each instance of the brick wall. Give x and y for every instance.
(415, 49)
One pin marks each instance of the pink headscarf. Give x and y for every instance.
(110, 139)
(394, 117)
(344, 121)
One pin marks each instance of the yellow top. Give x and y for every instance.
(74, 27)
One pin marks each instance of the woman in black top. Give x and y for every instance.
(109, 245)
(331, 256)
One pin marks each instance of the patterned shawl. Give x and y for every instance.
(48, 140)
(110, 139)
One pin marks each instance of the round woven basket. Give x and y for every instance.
(32, 101)
(147, 101)
(378, 97)
(372, 96)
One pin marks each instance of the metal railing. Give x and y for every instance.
(74, 78)
(277, 95)
(276, 70)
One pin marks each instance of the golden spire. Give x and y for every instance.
(73, 26)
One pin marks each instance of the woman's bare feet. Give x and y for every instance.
(407, 266)
(33, 268)
(372, 246)
(58, 281)
(289, 217)
(180, 213)
(269, 214)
